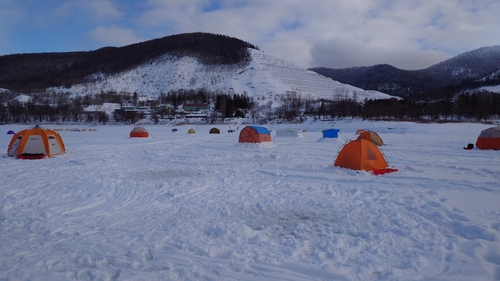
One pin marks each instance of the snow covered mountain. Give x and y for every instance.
(265, 78)
(469, 70)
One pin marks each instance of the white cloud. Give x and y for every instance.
(403, 33)
(104, 9)
(114, 35)
(406, 33)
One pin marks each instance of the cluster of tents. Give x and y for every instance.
(141, 132)
(361, 153)
(75, 130)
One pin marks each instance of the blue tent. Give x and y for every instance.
(10, 132)
(331, 133)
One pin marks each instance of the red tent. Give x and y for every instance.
(489, 138)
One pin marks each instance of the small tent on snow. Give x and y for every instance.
(139, 132)
(331, 133)
(214, 131)
(10, 132)
(371, 136)
(362, 154)
(191, 131)
(489, 139)
(255, 134)
(35, 143)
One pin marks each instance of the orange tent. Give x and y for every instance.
(489, 138)
(36, 143)
(371, 136)
(361, 154)
(139, 132)
(255, 134)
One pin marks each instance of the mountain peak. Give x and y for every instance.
(450, 75)
(24, 72)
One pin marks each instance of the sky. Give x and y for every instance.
(308, 33)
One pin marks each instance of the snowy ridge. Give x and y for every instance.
(264, 78)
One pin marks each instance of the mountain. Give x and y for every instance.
(28, 72)
(195, 61)
(468, 70)
(382, 77)
(264, 77)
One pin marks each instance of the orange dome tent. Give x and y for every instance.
(255, 134)
(35, 143)
(362, 154)
(371, 136)
(139, 132)
(489, 139)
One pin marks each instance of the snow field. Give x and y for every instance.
(177, 206)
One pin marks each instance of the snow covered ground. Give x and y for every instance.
(203, 207)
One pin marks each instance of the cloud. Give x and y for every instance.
(403, 33)
(341, 53)
(333, 33)
(114, 35)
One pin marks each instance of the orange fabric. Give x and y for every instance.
(360, 154)
(139, 132)
(489, 139)
(249, 134)
(488, 143)
(371, 136)
(24, 137)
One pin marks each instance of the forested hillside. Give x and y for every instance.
(32, 72)
(464, 72)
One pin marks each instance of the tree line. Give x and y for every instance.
(62, 107)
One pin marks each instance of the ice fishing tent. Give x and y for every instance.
(362, 154)
(35, 143)
(371, 136)
(489, 139)
(139, 132)
(191, 131)
(10, 132)
(331, 133)
(214, 131)
(255, 134)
